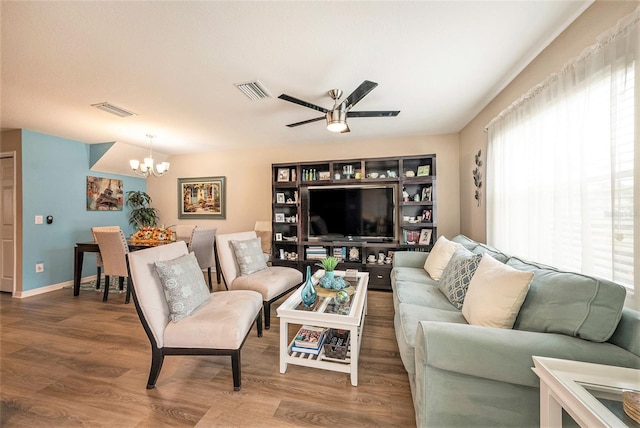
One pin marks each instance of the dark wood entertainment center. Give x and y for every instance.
(414, 217)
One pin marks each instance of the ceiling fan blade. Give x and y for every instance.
(388, 113)
(304, 122)
(302, 103)
(360, 92)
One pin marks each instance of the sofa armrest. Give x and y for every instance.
(506, 355)
(414, 259)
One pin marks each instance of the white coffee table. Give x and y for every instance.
(577, 387)
(291, 312)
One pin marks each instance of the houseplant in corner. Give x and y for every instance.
(144, 218)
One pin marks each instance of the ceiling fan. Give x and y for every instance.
(337, 117)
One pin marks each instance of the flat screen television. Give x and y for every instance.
(352, 213)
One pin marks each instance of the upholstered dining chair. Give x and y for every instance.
(114, 249)
(202, 243)
(213, 324)
(244, 267)
(99, 263)
(184, 231)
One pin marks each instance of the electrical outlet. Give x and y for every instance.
(39, 267)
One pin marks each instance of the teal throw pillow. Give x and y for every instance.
(249, 255)
(457, 275)
(183, 284)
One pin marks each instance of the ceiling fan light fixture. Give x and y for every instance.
(337, 120)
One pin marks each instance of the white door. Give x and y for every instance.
(7, 247)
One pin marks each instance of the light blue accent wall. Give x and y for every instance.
(96, 151)
(54, 182)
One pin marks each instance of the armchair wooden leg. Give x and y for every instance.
(210, 281)
(128, 298)
(259, 323)
(157, 358)
(267, 315)
(106, 289)
(235, 369)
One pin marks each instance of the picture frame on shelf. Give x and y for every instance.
(280, 198)
(324, 175)
(425, 237)
(427, 193)
(283, 175)
(279, 217)
(426, 216)
(202, 198)
(278, 236)
(424, 170)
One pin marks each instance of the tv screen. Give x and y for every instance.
(351, 212)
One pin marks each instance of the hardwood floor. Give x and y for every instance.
(68, 362)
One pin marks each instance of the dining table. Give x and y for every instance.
(92, 247)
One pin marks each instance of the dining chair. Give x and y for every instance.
(244, 267)
(218, 325)
(184, 231)
(114, 249)
(99, 263)
(202, 243)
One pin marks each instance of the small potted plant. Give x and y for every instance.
(328, 264)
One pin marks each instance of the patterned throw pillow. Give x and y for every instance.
(249, 255)
(457, 275)
(183, 284)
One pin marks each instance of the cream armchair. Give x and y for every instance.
(218, 326)
(272, 282)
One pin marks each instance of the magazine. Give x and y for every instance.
(309, 337)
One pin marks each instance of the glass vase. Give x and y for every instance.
(308, 292)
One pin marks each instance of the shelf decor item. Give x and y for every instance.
(308, 292)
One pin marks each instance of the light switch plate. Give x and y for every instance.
(39, 219)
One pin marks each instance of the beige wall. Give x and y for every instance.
(248, 175)
(601, 16)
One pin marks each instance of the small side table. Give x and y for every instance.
(580, 389)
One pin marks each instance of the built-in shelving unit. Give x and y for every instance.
(413, 179)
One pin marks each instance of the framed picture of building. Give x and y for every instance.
(202, 197)
(104, 194)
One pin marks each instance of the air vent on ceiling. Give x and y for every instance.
(110, 108)
(253, 90)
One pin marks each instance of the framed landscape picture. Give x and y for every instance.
(202, 197)
(424, 170)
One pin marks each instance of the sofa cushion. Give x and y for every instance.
(466, 242)
(406, 324)
(420, 294)
(495, 294)
(457, 275)
(249, 255)
(411, 274)
(482, 249)
(439, 256)
(183, 285)
(569, 303)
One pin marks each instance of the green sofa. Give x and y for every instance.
(466, 375)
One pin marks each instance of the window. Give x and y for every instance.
(561, 172)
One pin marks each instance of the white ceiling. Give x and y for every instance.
(175, 63)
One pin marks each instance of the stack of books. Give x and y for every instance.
(340, 253)
(316, 252)
(309, 340)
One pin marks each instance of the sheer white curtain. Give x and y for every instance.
(561, 164)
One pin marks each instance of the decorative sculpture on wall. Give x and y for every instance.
(477, 176)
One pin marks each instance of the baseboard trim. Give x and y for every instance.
(49, 288)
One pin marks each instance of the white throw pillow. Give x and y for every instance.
(439, 257)
(496, 293)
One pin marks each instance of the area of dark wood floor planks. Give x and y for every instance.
(77, 361)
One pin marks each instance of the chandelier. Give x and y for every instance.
(147, 167)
